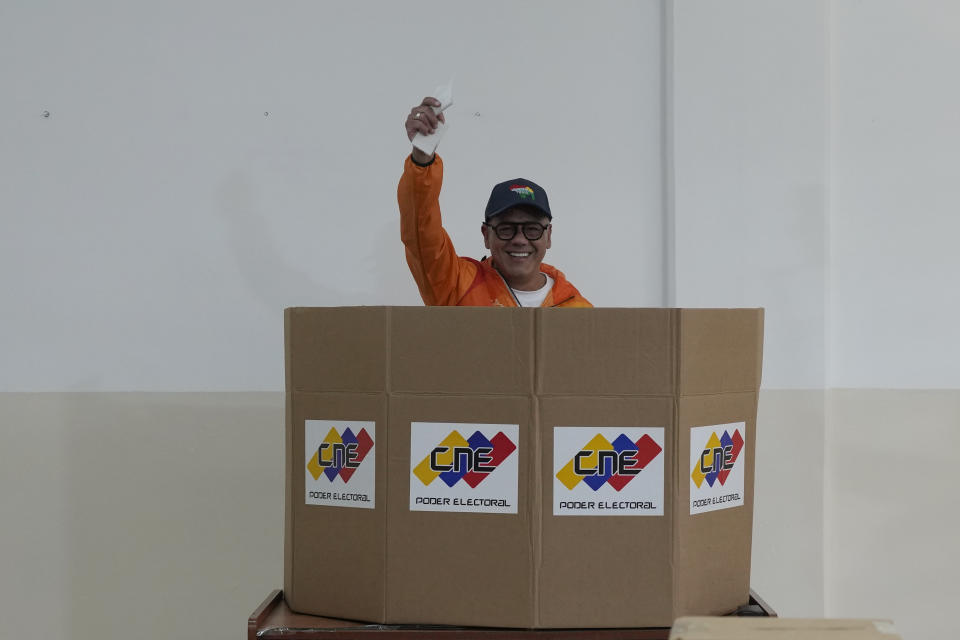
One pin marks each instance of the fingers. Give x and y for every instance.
(424, 113)
(430, 102)
(422, 119)
(420, 125)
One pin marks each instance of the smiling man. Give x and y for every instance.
(517, 230)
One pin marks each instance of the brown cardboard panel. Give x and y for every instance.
(713, 548)
(288, 521)
(604, 571)
(336, 349)
(605, 351)
(338, 553)
(721, 350)
(458, 568)
(703, 628)
(463, 350)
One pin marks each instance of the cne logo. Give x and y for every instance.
(615, 463)
(718, 459)
(471, 460)
(340, 454)
(522, 190)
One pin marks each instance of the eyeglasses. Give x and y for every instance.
(506, 230)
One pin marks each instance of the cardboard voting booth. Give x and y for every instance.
(529, 468)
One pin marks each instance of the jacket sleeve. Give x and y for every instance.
(441, 275)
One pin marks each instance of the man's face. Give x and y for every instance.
(518, 259)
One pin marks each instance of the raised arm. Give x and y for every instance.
(441, 275)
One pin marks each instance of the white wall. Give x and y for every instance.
(890, 511)
(894, 409)
(895, 131)
(158, 221)
(146, 515)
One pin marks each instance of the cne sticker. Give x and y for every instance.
(340, 463)
(464, 467)
(606, 471)
(717, 463)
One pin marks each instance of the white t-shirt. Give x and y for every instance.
(533, 298)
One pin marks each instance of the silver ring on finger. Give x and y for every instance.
(417, 115)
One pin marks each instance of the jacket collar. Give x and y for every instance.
(562, 289)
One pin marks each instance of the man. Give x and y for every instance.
(517, 230)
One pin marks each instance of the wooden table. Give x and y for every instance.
(273, 620)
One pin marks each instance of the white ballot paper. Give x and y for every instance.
(428, 144)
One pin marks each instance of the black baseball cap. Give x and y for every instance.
(518, 192)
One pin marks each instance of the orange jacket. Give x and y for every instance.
(444, 278)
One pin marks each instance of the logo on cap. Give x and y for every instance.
(523, 191)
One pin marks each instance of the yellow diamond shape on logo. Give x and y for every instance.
(313, 466)
(568, 477)
(698, 476)
(424, 473)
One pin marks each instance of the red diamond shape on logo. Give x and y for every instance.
(737, 446)
(364, 444)
(647, 450)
